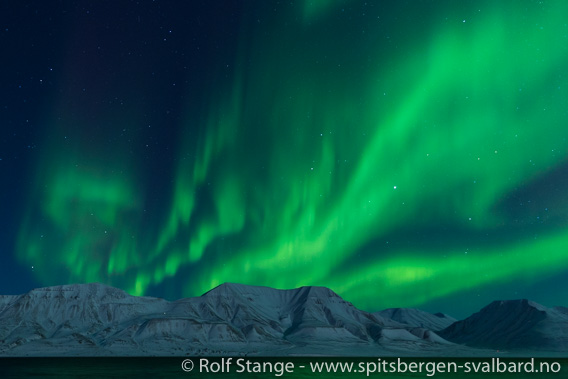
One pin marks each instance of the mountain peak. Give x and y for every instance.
(510, 324)
(515, 305)
(319, 291)
(229, 288)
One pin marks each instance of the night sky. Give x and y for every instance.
(401, 153)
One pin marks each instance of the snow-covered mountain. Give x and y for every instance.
(513, 325)
(418, 318)
(94, 319)
(232, 319)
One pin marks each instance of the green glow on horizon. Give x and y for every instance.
(300, 166)
(417, 279)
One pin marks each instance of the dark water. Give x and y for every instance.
(282, 367)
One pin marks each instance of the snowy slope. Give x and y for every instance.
(75, 312)
(418, 318)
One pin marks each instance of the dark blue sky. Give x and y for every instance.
(401, 153)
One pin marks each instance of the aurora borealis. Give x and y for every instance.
(407, 154)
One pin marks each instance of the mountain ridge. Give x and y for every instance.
(231, 319)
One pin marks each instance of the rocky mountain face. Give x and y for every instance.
(232, 319)
(513, 324)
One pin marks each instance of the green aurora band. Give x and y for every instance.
(328, 142)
